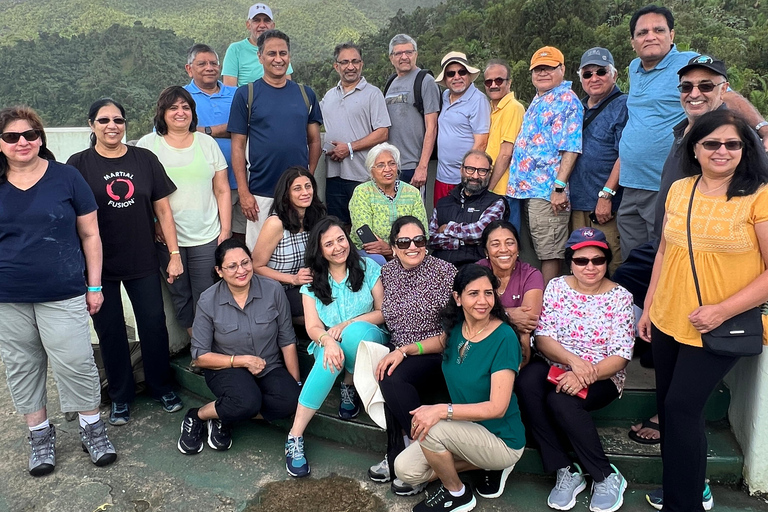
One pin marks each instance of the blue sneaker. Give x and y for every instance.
(655, 498)
(295, 462)
(349, 407)
(120, 414)
(171, 402)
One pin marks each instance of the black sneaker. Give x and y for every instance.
(42, 458)
(120, 414)
(492, 483)
(171, 402)
(444, 501)
(192, 438)
(219, 435)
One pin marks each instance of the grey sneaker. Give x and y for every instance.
(380, 472)
(608, 495)
(568, 485)
(403, 489)
(42, 460)
(97, 444)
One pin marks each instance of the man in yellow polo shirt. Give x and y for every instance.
(506, 118)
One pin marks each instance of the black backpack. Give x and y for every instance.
(418, 101)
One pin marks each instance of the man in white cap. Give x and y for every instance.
(463, 123)
(241, 62)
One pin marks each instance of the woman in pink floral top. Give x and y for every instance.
(587, 329)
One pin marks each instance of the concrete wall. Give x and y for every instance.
(65, 142)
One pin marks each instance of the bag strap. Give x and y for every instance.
(604, 104)
(250, 102)
(690, 244)
(306, 98)
(390, 79)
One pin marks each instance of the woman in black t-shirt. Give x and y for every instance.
(131, 188)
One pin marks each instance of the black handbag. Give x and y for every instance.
(741, 335)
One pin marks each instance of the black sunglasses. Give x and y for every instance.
(583, 262)
(686, 87)
(586, 75)
(452, 73)
(13, 137)
(498, 81)
(106, 120)
(404, 243)
(714, 145)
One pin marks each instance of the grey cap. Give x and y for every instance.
(596, 56)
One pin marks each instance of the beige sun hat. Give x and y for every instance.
(459, 58)
(368, 356)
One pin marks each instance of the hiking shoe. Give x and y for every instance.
(120, 414)
(192, 438)
(608, 495)
(295, 462)
(97, 444)
(380, 472)
(568, 485)
(445, 501)
(219, 435)
(403, 489)
(171, 402)
(349, 407)
(42, 460)
(656, 498)
(493, 482)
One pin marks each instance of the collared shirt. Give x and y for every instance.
(211, 110)
(457, 125)
(599, 152)
(242, 62)
(260, 328)
(457, 233)
(551, 125)
(350, 116)
(506, 119)
(654, 108)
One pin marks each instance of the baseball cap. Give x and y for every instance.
(547, 56)
(586, 237)
(596, 56)
(705, 61)
(260, 9)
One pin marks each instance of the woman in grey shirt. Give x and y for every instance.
(243, 339)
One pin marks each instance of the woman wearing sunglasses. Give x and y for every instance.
(726, 198)
(131, 189)
(586, 329)
(49, 252)
(416, 288)
(379, 202)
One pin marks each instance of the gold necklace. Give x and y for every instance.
(708, 192)
(468, 338)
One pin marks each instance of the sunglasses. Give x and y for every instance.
(405, 243)
(686, 87)
(714, 145)
(586, 75)
(498, 81)
(106, 120)
(452, 73)
(583, 262)
(13, 137)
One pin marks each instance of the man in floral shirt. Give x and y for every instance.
(544, 155)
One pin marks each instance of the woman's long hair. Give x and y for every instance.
(284, 209)
(752, 170)
(315, 260)
(20, 112)
(94, 111)
(452, 314)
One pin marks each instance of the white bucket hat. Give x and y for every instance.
(368, 356)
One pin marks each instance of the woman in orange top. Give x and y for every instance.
(729, 233)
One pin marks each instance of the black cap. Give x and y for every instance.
(705, 61)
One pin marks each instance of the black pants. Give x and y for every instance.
(147, 301)
(241, 396)
(685, 377)
(415, 381)
(338, 192)
(550, 416)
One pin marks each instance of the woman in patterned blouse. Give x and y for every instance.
(279, 250)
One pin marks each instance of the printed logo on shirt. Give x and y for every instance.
(120, 189)
(397, 98)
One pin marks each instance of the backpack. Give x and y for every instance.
(418, 100)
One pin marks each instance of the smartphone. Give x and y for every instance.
(328, 147)
(593, 218)
(365, 234)
(555, 372)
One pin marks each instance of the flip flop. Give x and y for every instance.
(646, 424)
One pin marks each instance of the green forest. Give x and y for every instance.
(60, 56)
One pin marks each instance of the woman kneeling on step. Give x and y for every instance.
(243, 339)
(481, 428)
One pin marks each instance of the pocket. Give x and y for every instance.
(225, 328)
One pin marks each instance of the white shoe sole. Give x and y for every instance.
(212, 444)
(294, 475)
(504, 475)
(571, 503)
(413, 492)
(617, 505)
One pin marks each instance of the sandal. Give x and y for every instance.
(642, 440)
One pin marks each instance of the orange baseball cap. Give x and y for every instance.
(547, 56)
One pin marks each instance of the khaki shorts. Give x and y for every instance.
(252, 229)
(581, 219)
(466, 440)
(549, 231)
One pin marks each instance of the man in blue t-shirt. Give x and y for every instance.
(281, 129)
(213, 100)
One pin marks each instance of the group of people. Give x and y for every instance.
(221, 202)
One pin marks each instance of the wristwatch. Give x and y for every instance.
(604, 195)
(208, 130)
(450, 413)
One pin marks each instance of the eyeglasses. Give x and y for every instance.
(404, 243)
(687, 87)
(106, 120)
(586, 75)
(13, 137)
(232, 267)
(730, 145)
(407, 53)
(481, 171)
(583, 262)
(383, 165)
(452, 73)
(498, 81)
(541, 70)
(345, 63)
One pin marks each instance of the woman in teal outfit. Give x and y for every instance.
(342, 307)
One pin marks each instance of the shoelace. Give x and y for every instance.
(564, 478)
(191, 426)
(167, 399)
(97, 437)
(606, 485)
(296, 448)
(121, 408)
(42, 446)
(383, 465)
(221, 427)
(347, 395)
(436, 498)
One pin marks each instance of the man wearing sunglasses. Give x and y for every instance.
(595, 178)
